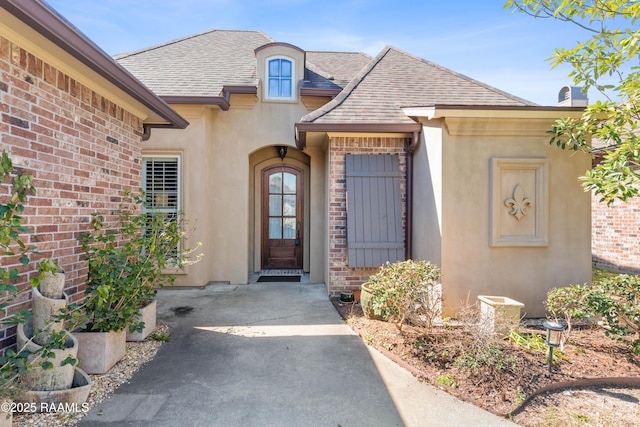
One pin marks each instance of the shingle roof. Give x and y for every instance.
(197, 65)
(370, 90)
(201, 64)
(396, 79)
(340, 67)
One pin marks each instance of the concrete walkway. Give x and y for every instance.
(274, 354)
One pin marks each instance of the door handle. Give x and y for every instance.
(298, 233)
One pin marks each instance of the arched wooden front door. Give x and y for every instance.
(282, 202)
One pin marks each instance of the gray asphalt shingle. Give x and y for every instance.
(374, 89)
(198, 65)
(396, 79)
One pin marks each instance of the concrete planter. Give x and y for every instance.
(148, 316)
(500, 313)
(52, 285)
(367, 303)
(60, 377)
(76, 395)
(99, 351)
(44, 309)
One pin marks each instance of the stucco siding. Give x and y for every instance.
(471, 264)
(427, 195)
(220, 151)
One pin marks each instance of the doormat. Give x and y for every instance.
(279, 279)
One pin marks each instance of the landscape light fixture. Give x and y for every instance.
(554, 336)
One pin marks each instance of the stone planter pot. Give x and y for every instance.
(148, 316)
(43, 311)
(367, 303)
(51, 285)
(99, 351)
(77, 394)
(59, 377)
(500, 313)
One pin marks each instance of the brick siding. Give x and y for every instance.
(615, 235)
(341, 277)
(83, 150)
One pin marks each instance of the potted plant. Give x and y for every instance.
(127, 264)
(405, 291)
(50, 280)
(51, 351)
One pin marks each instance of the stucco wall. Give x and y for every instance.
(427, 195)
(218, 181)
(470, 264)
(83, 150)
(615, 237)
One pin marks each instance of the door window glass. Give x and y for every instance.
(282, 205)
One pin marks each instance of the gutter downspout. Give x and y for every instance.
(411, 148)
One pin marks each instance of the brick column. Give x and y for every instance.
(341, 277)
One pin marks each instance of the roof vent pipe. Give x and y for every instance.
(572, 96)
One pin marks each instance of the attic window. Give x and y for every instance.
(280, 78)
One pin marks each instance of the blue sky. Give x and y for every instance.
(477, 38)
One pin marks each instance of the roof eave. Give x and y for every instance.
(224, 102)
(319, 92)
(61, 33)
(301, 129)
(496, 111)
(219, 101)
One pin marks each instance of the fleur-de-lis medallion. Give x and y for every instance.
(519, 203)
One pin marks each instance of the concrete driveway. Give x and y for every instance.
(273, 354)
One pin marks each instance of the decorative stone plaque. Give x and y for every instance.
(519, 202)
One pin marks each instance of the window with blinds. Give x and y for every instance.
(161, 184)
(160, 181)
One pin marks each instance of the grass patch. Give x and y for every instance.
(447, 380)
(600, 275)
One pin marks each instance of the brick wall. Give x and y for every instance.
(82, 149)
(341, 277)
(615, 235)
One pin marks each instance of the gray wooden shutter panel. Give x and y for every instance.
(374, 210)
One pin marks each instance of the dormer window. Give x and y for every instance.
(279, 67)
(280, 78)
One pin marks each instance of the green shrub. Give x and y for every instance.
(570, 303)
(617, 300)
(127, 264)
(16, 187)
(405, 292)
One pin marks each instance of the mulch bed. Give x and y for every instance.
(515, 376)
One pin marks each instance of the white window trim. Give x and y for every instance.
(178, 158)
(294, 80)
(179, 207)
